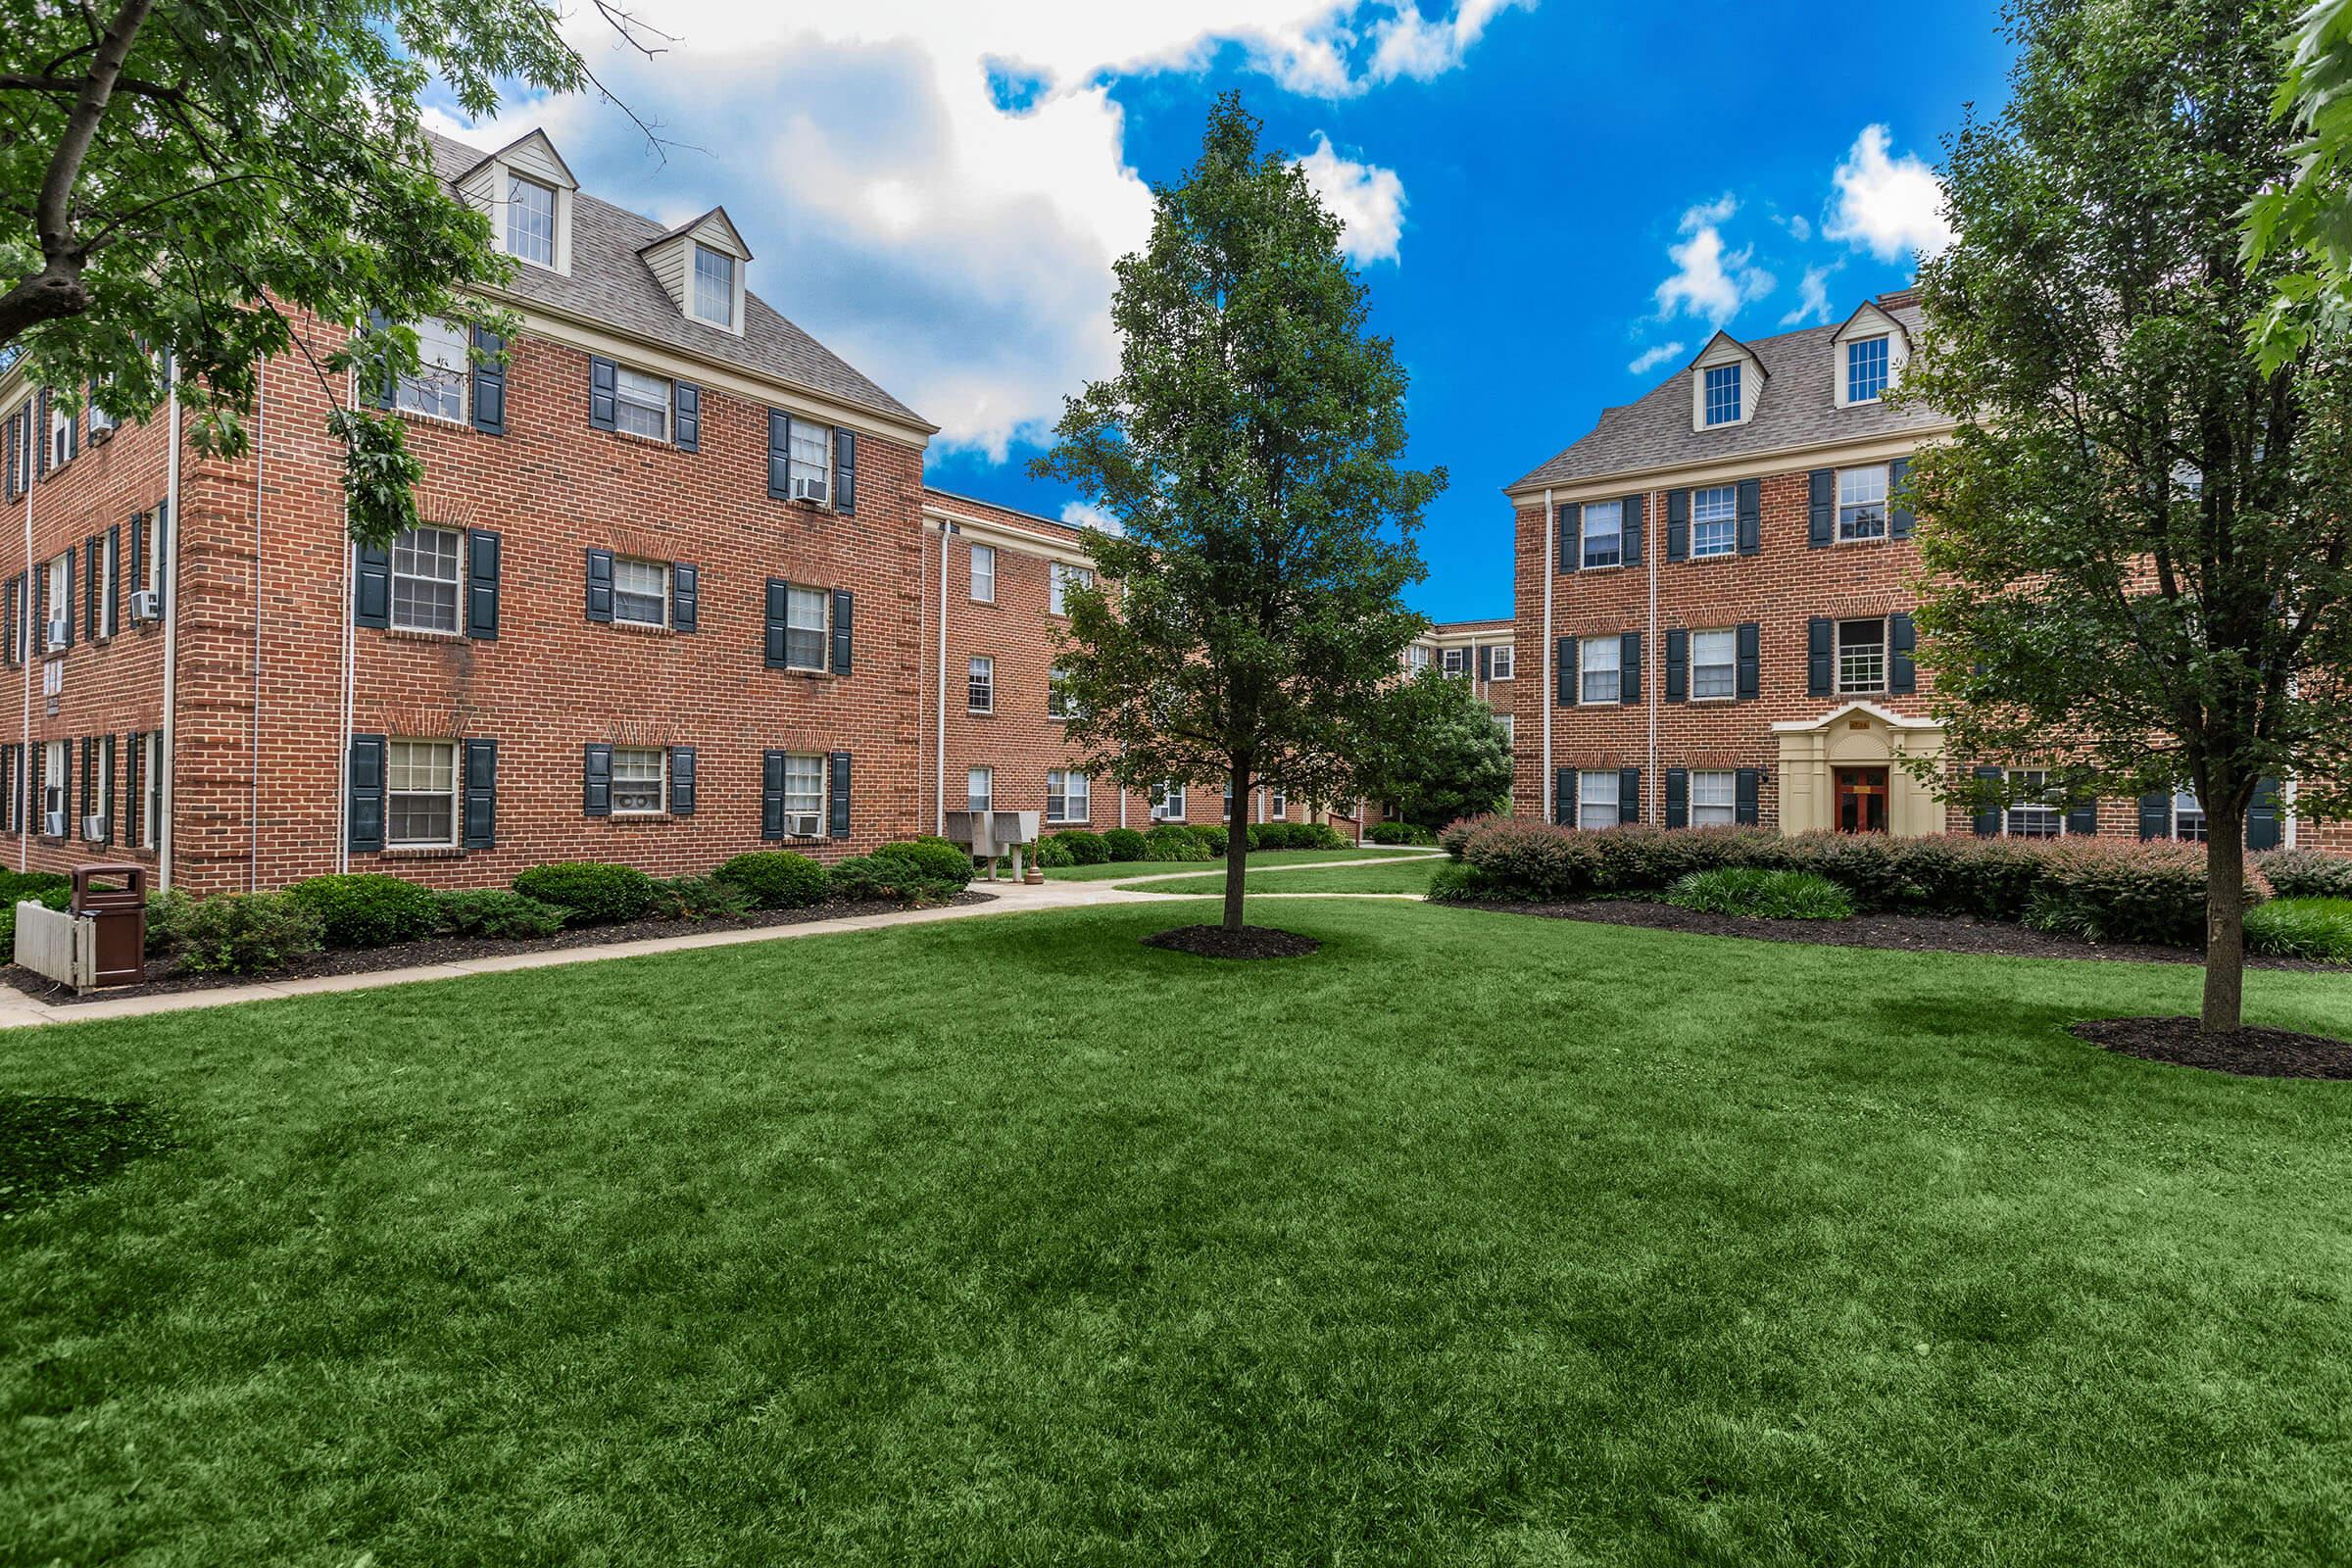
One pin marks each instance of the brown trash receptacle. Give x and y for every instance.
(115, 898)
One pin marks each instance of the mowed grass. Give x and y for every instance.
(1398, 876)
(1471, 1240)
(1127, 871)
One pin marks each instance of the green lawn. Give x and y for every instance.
(1471, 1240)
(1128, 871)
(1401, 876)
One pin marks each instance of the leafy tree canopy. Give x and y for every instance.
(2311, 214)
(1440, 754)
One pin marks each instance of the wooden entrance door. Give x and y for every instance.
(1861, 799)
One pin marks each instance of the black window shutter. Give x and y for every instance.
(36, 635)
(14, 441)
(1750, 662)
(1629, 668)
(1572, 535)
(364, 829)
(1678, 796)
(685, 596)
(2262, 815)
(482, 793)
(1744, 797)
(1902, 676)
(162, 549)
(1821, 657)
(133, 770)
(1898, 510)
(89, 779)
(779, 456)
(596, 780)
(1821, 510)
(843, 607)
(604, 383)
(2083, 818)
(138, 550)
(1629, 795)
(481, 584)
(2156, 815)
(1564, 664)
(771, 794)
(40, 434)
(372, 594)
(111, 617)
(1988, 814)
(845, 471)
(1749, 510)
(1486, 663)
(1631, 516)
(65, 612)
(8, 617)
(777, 593)
(600, 586)
(1678, 525)
(837, 800)
(686, 401)
(1678, 666)
(1563, 797)
(489, 383)
(94, 593)
(681, 781)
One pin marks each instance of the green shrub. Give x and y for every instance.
(776, 879)
(1086, 848)
(2121, 892)
(497, 912)
(1169, 841)
(1051, 854)
(590, 892)
(1454, 836)
(1765, 895)
(895, 878)
(32, 885)
(2302, 928)
(368, 909)
(166, 911)
(246, 933)
(934, 860)
(1123, 844)
(1456, 883)
(2306, 874)
(1398, 833)
(1215, 837)
(704, 898)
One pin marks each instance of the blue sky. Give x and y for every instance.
(936, 193)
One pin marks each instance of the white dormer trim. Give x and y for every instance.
(671, 258)
(488, 185)
(1725, 349)
(1868, 320)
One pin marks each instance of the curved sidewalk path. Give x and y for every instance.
(19, 1010)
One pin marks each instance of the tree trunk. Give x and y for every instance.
(2225, 917)
(1237, 847)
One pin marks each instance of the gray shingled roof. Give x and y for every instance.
(1797, 408)
(610, 283)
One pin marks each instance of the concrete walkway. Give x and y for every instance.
(19, 1010)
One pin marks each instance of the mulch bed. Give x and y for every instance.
(1915, 933)
(1249, 942)
(162, 979)
(2250, 1053)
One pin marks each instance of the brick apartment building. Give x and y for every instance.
(1714, 611)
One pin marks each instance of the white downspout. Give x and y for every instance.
(1652, 542)
(167, 572)
(23, 786)
(343, 756)
(253, 824)
(939, 789)
(1548, 651)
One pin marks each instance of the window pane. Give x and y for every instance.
(1597, 798)
(438, 388)
(1862, 502)
(641, 404)
(641, 592)
(811, 460)
(1714, 798)
(1600, 669)
(1499, 663)
(979, 789)
(531, 220)
(981, 685)
(805, 628)
(636, 780)
(1711, 655)
(1605, 532)
(714, 285)
(2189, 817)
(424, 579)
(1861, 655)
(983, 573)
(421, 782)
(1057, 703)
(804, 785)
(1865, 370)
(1714, 514)
(1723, 394)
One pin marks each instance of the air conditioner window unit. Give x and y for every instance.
(807, 489)
(93, 827)
(53, 823)
(146, 605)
(57, 633)
(804, 828)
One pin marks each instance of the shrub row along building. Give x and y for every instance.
(680, 590)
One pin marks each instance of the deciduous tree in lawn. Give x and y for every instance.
(1250, 606)
(1440, 755)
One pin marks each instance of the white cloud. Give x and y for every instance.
(1799, 229)
(1649, 358)
(1085, 515)
(1367, 198)
(936, 192)
(1812, 296)
(1887, 206)
(1709, 281)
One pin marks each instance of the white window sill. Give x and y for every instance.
(642, 817)
(424, 851)
(641, 440)
(446, 420)
(643, 629)
(425, 634)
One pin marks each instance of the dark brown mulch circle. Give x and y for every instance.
(2250, 1053)
(52, 1145)
(1249, 942)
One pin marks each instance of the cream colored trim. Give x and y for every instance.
(1020, 540)
(1886, 716)
(1841, 454)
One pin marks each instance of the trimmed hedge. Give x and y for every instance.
(703, 898)
(2306, 874)
(1052, 855)
(1086, 848)
(1398, 833)
(776, 879)
(1123, 844)
(592, 893)
(497, 912)
(1298, 836)
(1172, 842)
(368, 909)
(243, 933)
(934, 860)
(1216, 835)
(893, 878)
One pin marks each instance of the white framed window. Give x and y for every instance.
(154, 524)
(437, 391)
(420, 794)
(1278, 805)
(640, 591)
(1167, 802)
(151, 777)
(804, 789)
(1063, 579)
(1066, 796)
(640, 780)
(1862, 502)
(1714, 798)
(1722, 383)
(1417, 658)
(805, 612)
(1596, 798)
(2037, 810)
(1713, 656)
(530, 221)
(984, 574)
(641, 403)
(1499, 661)
(1865, 370)
(2189, 817)
(55, 635)
(53, 789)
(979, 789)
(980, 686)
(61, 433)
(424, 579)
(98, 790)
(1058, 700)
(1714, 521)
(811, 460)
(714, 287)
(1600, 669)
(1457, 660)
(1861, 655)
(102, 562)
(1604, 534)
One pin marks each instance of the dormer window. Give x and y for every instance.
(1867, 356)
(714, 287)
(1865, 370)
(1723, 394)
(531, 220)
